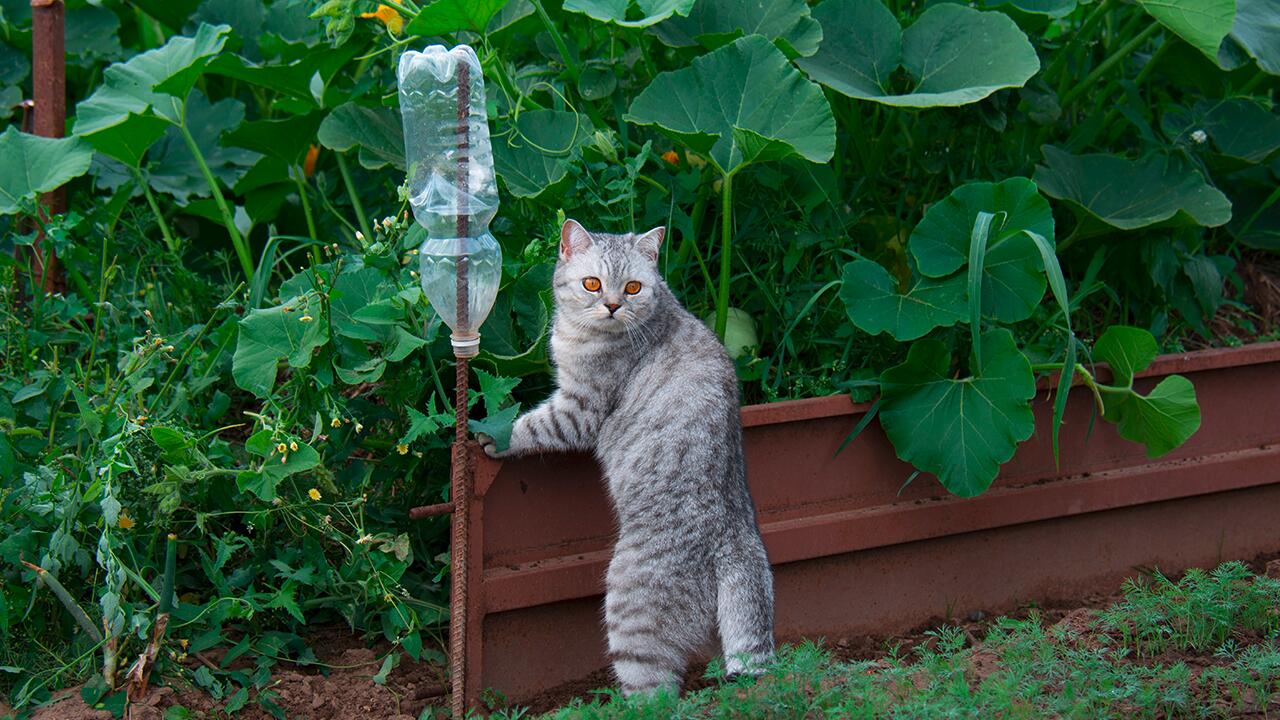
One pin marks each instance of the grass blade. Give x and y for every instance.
(862, 425)
(977, 259)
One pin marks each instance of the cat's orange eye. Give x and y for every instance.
(632, 287)
(591, 284)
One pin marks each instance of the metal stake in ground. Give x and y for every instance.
(463, 477)
(49, 83)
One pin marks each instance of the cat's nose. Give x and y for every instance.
(613, 307)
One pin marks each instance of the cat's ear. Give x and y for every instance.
(573, 239)
(649, 242)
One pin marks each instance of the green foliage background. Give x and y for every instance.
(861, 195)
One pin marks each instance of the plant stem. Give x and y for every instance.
(356, 205)
(155, 210)
(726, 253)
(228, 220)
(1090, 22)
(300, 180)
(1105, 66)
(558, 39)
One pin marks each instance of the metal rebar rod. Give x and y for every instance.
(49, 86)
(462, 476)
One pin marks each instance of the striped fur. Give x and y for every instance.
(650, 390)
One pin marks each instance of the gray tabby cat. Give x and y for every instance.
(648, 388)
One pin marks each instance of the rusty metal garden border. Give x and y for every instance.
(533, 584)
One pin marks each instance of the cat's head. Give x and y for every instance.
(607, 282)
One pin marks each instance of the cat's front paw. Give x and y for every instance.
(490, 447)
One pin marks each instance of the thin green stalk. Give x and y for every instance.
(228, 220)
(1086, 29)
(558, 39)
(155, 210)
(300, 180)
(726, 253)
(353, 196)
(1105, 66)
(1143, 74)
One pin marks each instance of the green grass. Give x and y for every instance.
(1207, 646)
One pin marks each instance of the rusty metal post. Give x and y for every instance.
(49, 85)
(463, 476)
(464, 639)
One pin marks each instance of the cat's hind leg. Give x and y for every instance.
(652, 622)
(744, 602)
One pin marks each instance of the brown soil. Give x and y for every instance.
(339, 687)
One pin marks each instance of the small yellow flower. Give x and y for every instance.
(282, 448)
(293, 445)
(305, 318)
(314, 494)
(402, 449)
(359, 427)
(125, 522)
(388, 16)
(335, 423)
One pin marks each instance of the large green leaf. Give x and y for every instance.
(286, 139)
(534, 155)
(1013, 277)
(271, 334)
(645, 13)
(137, 100)
(30, 165)
(954, 55)
(377, 132)
(1117, 193)
(961, 430)
(712, 23)
(1240, 128)
(14, 65)
(94, 33)
(874, 304)
(1202, 23)
(1161, 420)
(173, 170)
(449, 16)
(1127, 350)
(1256, 34)
(720, 107)
(1052, 8)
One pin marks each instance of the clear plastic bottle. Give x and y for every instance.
(452, 189)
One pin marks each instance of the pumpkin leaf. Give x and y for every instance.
(874, 304)
(30, 165)
(713, 23)
(1255, 33)
(961, 430)
(1113, 193)
(1013, 278)
(643, 13)
(449, 16)
(1160, 420)
(954, 55)
(534, 155)
(1202, 23)
(376, 132)
(716, 106)
(1127, 351)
